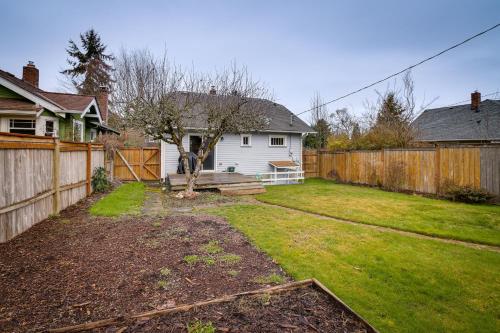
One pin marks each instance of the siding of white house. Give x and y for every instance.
(246, 160)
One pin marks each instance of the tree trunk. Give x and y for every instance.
(191, 180)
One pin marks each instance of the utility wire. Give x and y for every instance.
(403, 70)
(468, 100)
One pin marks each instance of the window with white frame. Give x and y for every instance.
(93, 134)
(277, 140)
(77, 130)
(246, 140)
(49, 128)
(22, 126)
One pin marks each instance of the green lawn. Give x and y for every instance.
(126, 199)
(397, 282)
(475, 223)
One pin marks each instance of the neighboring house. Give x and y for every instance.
(27, 109)
(276, 148)
(474, 123)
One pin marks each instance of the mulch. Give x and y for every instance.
(300, 310)
(78, 268)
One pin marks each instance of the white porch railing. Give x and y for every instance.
(281, 177)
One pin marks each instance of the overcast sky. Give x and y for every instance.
(296, 47)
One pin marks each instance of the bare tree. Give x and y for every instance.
(342, 122)
(319, 122)
(165, 101)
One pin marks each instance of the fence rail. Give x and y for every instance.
(40, 176)
(423, 170)
(281, 177)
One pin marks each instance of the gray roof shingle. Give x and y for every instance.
(278, 117)
(460, 123)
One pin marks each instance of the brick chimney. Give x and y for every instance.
(212, 90)
(30, 74)
(475, 100)
(102, 101)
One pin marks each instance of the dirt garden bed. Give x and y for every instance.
(77, 268)
(305, 306)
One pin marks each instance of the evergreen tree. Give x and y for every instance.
(89, 69)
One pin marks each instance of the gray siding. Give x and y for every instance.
(246, 160)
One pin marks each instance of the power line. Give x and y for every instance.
(403, 70)
(468, 100)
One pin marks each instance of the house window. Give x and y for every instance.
(77, 130)
(277, 141)
(93, 134)
(22, 126)
(246, 140)
(49, 128)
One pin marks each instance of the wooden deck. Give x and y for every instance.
(226, 183)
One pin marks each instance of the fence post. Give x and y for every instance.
(320, 163)
(56, 169)
(382, 176)
(89, 168)
(437, 171)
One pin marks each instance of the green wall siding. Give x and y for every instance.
(7, 93)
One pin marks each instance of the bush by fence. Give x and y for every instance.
(422, 170)
(40, 176)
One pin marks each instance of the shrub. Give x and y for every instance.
(395, 176)
(466, 194)
(100, 181)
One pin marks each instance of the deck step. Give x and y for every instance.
(242, 189)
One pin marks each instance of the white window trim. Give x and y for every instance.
(82, 133)
(249, 136)
(23, 128)
(53, 133)
(277, 136)
(93, 134)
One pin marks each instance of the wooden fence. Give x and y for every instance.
(423, 170)
(40, 176)
(137, 163)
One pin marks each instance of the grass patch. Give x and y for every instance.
(270, 279)
(165, 271)
(200, 327)
(163, 284)
(209, 261)
(126, 199)
(212, 247)
(399, 283)
(191, 259)
(156, 224)
(474, 223)
(230, 258)
(233, 273)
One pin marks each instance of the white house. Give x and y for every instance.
(276, 148)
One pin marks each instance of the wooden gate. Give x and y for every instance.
(137, 163)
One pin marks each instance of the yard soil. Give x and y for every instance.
(300, 310)
(78, 268)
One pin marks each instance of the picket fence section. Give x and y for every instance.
(40, 176)
(424, 170)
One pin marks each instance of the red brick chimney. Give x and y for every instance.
(30, 74)
(475, 100)
(102, 101)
